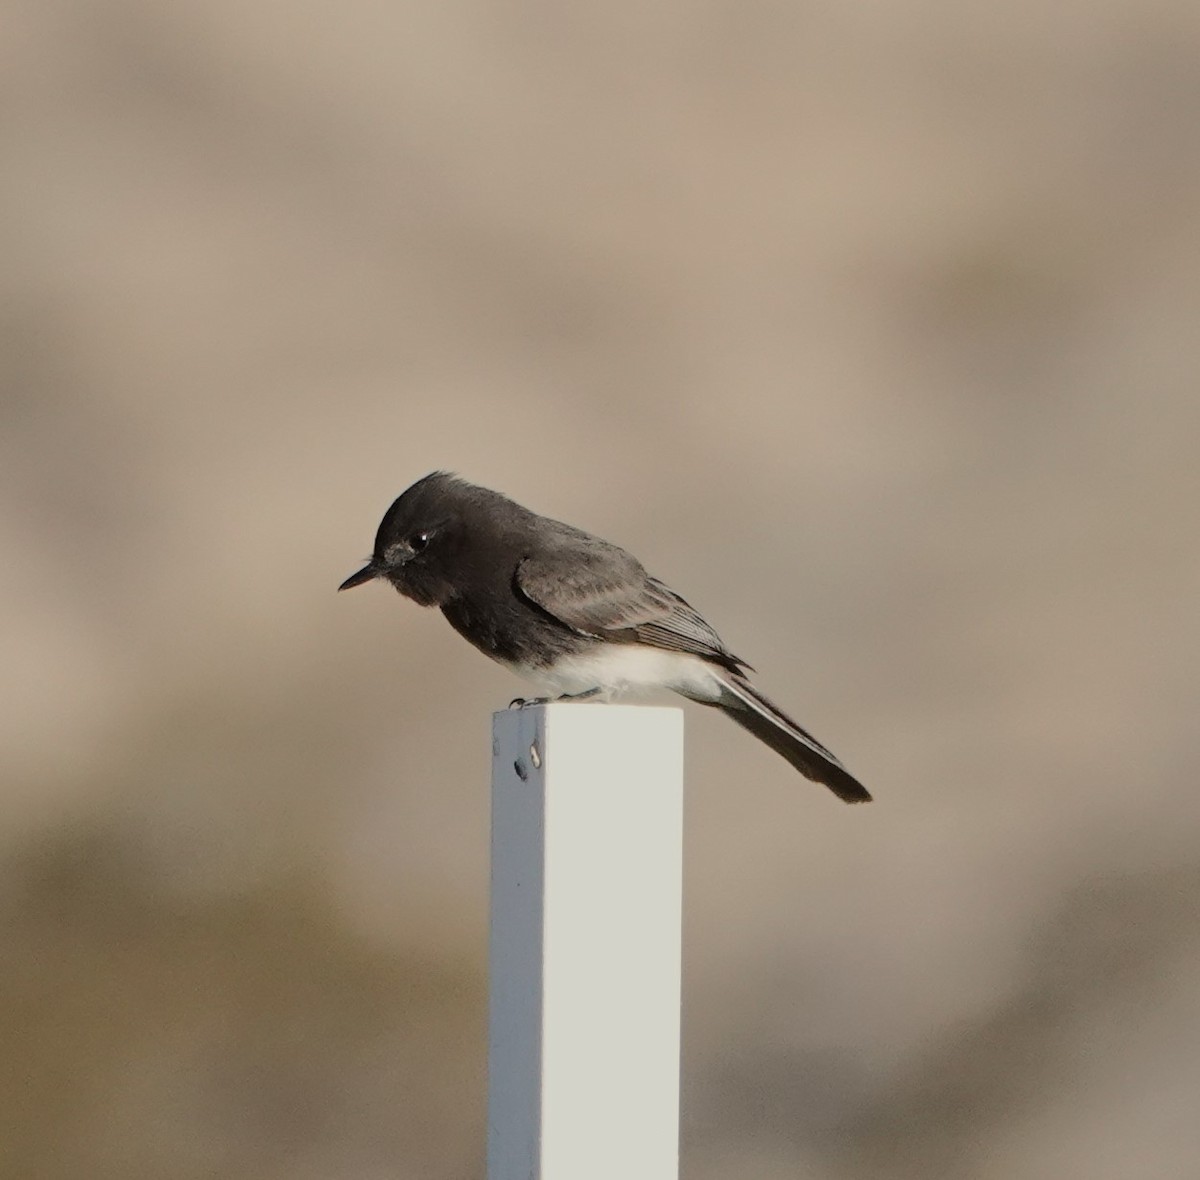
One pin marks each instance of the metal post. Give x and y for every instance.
(583, 1040)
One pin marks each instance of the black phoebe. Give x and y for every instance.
(571, 611)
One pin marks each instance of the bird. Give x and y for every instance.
(577, 615)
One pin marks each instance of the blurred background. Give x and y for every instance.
(872, 329)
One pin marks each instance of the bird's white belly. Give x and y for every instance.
(619, 668)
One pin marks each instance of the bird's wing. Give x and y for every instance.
(598, 589)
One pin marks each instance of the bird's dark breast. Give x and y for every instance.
(505, 628)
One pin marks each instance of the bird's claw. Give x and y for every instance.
(523, 702)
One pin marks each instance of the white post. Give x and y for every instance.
(583, 1036)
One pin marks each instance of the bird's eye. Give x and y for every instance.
(418, 542)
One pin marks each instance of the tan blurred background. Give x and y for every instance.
(872, 328)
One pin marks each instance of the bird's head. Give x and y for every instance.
(419, 539)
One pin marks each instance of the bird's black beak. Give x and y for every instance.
(368, 573)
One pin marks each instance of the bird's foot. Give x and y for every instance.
(526, 702)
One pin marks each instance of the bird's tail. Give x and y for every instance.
(753, 711)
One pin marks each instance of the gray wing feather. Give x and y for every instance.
(598, 589)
